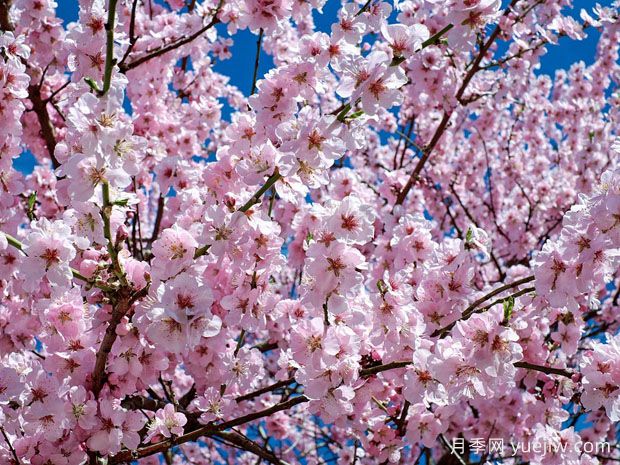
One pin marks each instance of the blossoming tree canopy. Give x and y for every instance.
(401, 238)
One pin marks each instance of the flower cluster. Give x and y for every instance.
(402, 235)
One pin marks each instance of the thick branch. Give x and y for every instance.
(211, 430)
(99, 373)
(119, 310)
(39, 106)
(5, 20)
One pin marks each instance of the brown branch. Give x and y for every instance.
(163, 50)
(132, 34)
(366, 372)
(255, 75)
(39, 106)
(11, 448)
(545, 369)
(120, 309)
(266, 389)
(207, 430)
(57, 91)
(34, 92)
(5, 19)
(136, 402)
(523, 291)
(212, 430)
(251, 446)
(448, 113)
(469, 311)
(160, 213)
(425, 156)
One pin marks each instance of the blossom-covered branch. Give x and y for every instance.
(404, 229)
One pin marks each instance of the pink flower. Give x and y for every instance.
(332, 269)
(352, 221)
(423, 426)
(373, 81)
(173, 252)
(118, 427)
(182, 316)
(49, 250)
(555, 276)
(213, 406)
(82, 408)
(349, 27)
(10, 385)
(184, 298)
(404, 40)
(167, 422)
(601, 377)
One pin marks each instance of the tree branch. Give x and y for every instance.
(109, 49)
(5, 19)
(11, 448)
(109, 53)
(39, 106)
(469, 311)
(251, 446)
(258, 44)
(545, 369)
(207, 430)
(413, 178)
(163, 50)
(256, 197)
(119, 310)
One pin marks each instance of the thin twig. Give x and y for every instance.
(471, 309)
(11, 448)
(545, 369)
(256, 61)
(163, 50)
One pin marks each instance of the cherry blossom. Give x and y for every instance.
(389, 231)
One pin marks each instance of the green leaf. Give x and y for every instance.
(508, 304)
(121, 202)
(357, 114)
(32, 200)
(469, 236)
(343, 113)
(92, 84)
